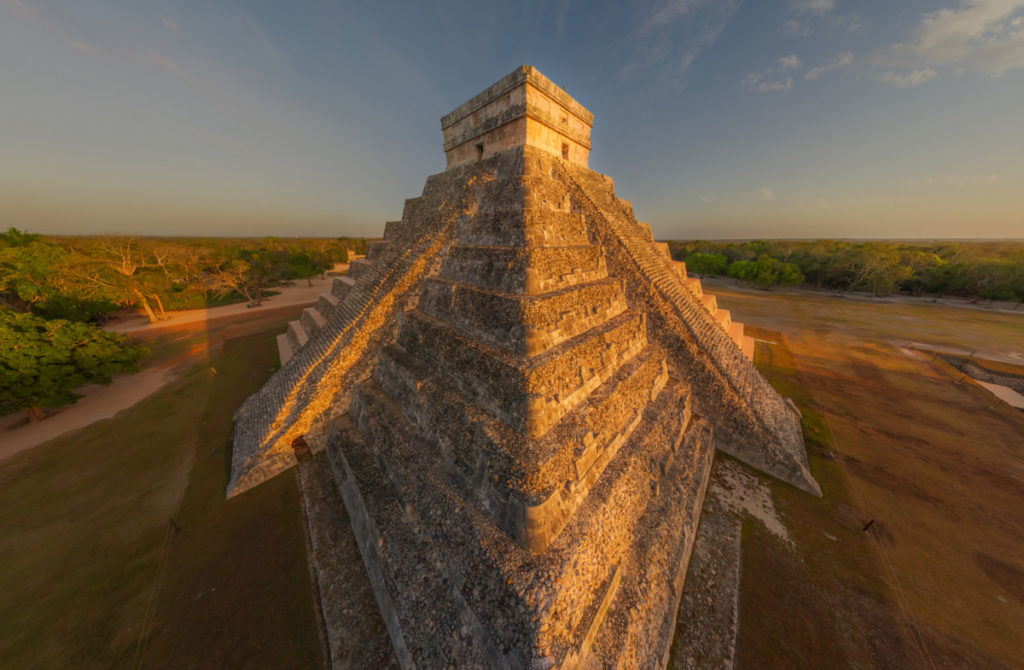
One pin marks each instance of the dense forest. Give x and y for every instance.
(55, 291)
(88, 278)
(973, 270)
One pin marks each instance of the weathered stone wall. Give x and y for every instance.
(524, 108)
(752, 421)
(313, 386)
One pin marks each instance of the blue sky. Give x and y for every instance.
(717, 118)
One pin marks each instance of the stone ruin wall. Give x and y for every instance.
(314, 385)
(523, 108)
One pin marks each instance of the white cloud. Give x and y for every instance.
(674, 35)
(812, 6)
(766, 194)
(670, 11)
(170, 23)
(756, 82)
(767, 80)
(791, 62)
(841, 61)
(986, 36)
(912, 78)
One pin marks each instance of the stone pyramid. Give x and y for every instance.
(520, 395)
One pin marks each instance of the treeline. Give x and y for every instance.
(976, 270)
(88, 278)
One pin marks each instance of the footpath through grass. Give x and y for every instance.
(119, 550)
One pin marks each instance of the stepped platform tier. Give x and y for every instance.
(520, 395)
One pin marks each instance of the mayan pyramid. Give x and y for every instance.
(520, 394)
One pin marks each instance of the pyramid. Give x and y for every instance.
(520, 395)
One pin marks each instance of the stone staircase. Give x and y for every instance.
(733, 391)
(334, 343)
(548, 436)
(313, 320)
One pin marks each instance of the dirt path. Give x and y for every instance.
(713, 284)
(103, 402)
(300, 294)
(100, 402)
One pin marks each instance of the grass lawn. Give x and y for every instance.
(118, 546)
(937, 580)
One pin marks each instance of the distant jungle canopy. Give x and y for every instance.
(87, 278)
(973, 270)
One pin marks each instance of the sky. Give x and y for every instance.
(716, 118)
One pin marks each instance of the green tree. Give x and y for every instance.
(300, 265)
(744, 271)
(42, 362)
(707, 264)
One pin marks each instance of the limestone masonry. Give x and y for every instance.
(520, 394)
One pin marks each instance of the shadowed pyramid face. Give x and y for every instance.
(525, 424)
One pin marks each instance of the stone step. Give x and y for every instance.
(284, 348)
(360, 267)
(523, 324)
(693, 284)
(515, 227)
(645, 231)
(680, 268)
(499, 575)
(661, 248)
(297, 334)
(326, 303)
(375, 250)
(529, 394)
(517, 488)
(392, 229)
(312, 321)
(748, 347)
(710, 302)
(530, 270)
(341, 286)
(724, 317)
(736, 333)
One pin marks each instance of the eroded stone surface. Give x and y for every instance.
(519, 395)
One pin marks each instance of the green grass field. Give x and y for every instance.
(120, 550)
(937, 580)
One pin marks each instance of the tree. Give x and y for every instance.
(42, 362)
(300, 265)
(710, 264)
(744, 271)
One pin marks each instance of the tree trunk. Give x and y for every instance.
(149, 311)
(35, 414)
(309, 280)
(160, 306)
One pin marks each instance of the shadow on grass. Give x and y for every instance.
(119, 548)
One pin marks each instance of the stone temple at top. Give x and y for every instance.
(519, 394)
